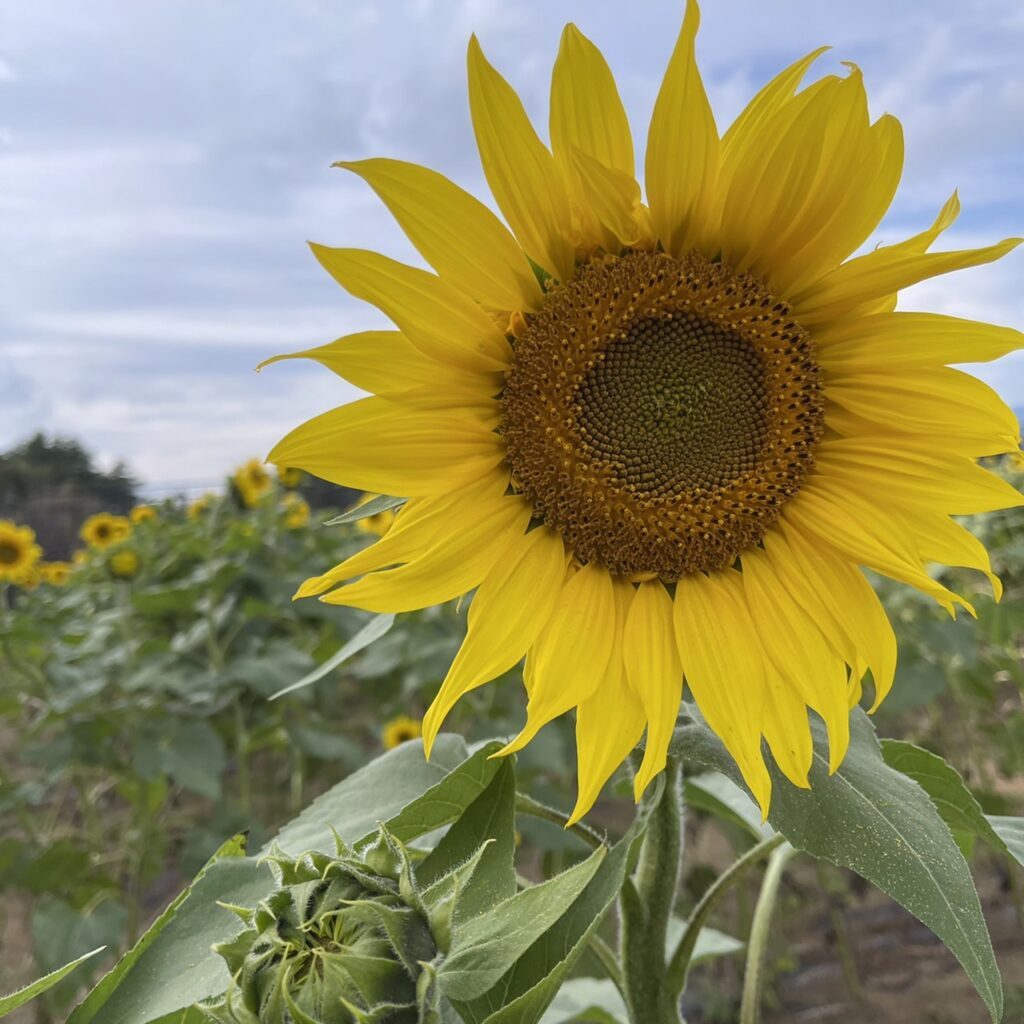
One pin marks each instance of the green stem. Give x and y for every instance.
(527, 805)
(646, 903)
(679, 965)
(760, 933)
(242, 757)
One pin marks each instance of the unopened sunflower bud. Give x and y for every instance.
(344, 940)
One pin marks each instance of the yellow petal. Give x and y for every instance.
(939, 539)
(905, 341)
(519, 169)
(436, 317)
(681, 164)
(743, 139)
(454, 232)
(838, 598)
(937, 403)
(857, 284)
(610, 722)
(866, 534)
(614, 199)
(587, 116)
(800, 653)
(514, 601)
(586, 111)
(655, 674)
(377, 445)
(786, 729)
(477, 535)
(723, 670)
(906, 472)
(855, 187)
(382, 362)
(768, 188)
(571, 653)
(418, 526)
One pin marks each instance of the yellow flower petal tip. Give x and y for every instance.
(702, 521)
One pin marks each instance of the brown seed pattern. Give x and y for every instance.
(659, 412)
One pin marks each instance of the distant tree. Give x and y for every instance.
(52, 485)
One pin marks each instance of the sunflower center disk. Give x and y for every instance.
(659, 413)
(9, 553)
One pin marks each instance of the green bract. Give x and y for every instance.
(344, 940)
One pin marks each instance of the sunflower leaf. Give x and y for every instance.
(373, 507)
(527, 989)
(878, 822)
(942, 782)
(11, 1002)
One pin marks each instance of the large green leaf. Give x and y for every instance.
(172, 965)
(881, 824)
(373, 630)
(942, 782)
(373, 507)
(526, 990)
(489, 819)
(1011, 831)
(377, 792)
(37, 988)
(718, 795)
(484, 948)
(593, 1000)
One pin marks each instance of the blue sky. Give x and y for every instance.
(162, 163)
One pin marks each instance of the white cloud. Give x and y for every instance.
(162, 165)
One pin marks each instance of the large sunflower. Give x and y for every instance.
(662, 438)
(19, 552)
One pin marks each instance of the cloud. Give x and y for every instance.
(162, 165)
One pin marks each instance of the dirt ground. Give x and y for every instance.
(903, 973)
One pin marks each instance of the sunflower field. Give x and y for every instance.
(145, 686)
(666, 667)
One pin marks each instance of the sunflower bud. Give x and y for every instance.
(343, 940)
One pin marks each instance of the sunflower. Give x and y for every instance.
(19, 551)
(400, 730)
(103, 529)
(200, 505)
(55, 573)
(290, 476)
(124, 563)
(662, 438)
(142, 514)
(296, 511)
(251, 481)
(379, 523)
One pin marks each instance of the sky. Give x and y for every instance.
(164, 162)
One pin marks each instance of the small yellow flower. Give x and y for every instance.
(55, 573)
(102, 530)
(19, 551)
(28, 579)
(142, 513)
(378, 524)
(400, 730)
(124, 563)
(199, 506)
(252, 481)
(290, 476)
(296, 511)
(80, 557)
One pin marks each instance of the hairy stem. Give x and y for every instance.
(647, 902)
(679, 965)
(760, 933)
(527, 805)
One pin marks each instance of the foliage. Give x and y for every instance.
(158, 712)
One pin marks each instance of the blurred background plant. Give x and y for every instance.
(137, 729)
